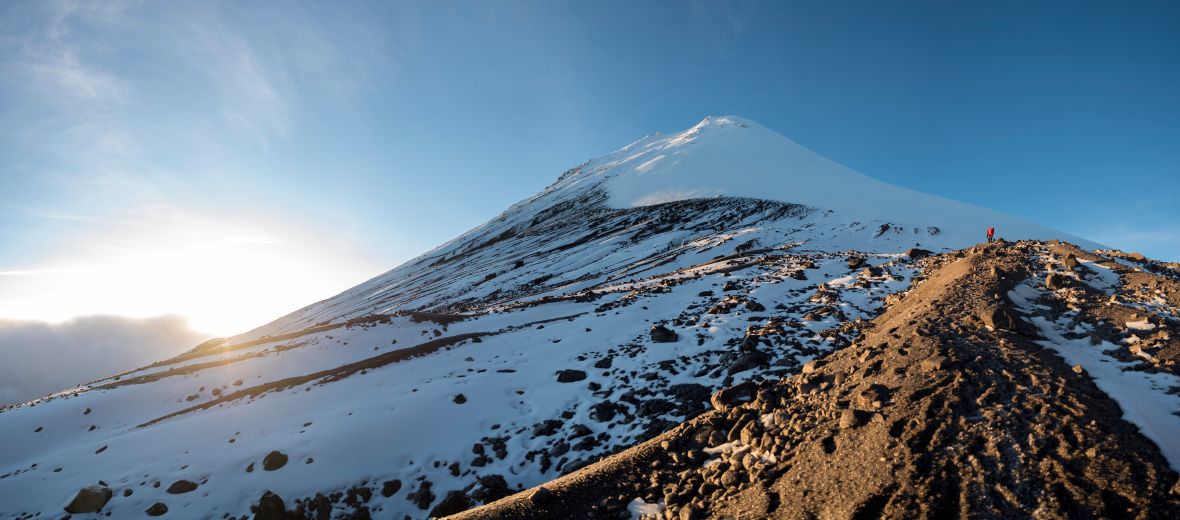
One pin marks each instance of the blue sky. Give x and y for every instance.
(251, 157)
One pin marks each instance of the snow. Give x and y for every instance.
(1144, 397)
(736, 157)
(1142, 324)
(640, 509)
(1105, 279)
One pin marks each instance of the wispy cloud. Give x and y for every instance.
(107, 81)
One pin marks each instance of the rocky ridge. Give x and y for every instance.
(946, 406)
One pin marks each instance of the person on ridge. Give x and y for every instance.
(991, 232)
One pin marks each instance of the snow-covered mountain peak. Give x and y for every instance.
(730, 156)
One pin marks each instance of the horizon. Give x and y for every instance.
(175, 160)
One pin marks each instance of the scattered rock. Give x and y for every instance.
(934, 363)
(812, 366)
(181, 486)
(459, 399)
(454, 502)
(662, 334)
(746, 362)
(854, 262)
(851, 418)
(491, 488)
(89, 499)
(570, 376)
(1078, 369)
(540, 496)
(157, 509)
(917, 253)
(389, 487)
(270, 507)
(999, 318)
(1056, 281)
(547, 427)
(274, 460)
(423, 496)
(727, 398)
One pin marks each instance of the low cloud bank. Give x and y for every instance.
(39, 358)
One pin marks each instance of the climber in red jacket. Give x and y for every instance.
(991, 232)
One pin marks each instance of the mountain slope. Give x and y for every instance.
(592, 316)
(720, 158)
(946, 407)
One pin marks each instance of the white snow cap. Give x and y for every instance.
(735, 157)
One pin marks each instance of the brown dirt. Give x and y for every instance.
(932, 413)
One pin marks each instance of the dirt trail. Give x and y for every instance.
(944, 408)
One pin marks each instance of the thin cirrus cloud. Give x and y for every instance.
(112, 81)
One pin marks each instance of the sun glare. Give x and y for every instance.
(224, 276)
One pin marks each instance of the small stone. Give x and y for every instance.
(157, 509)
(459, 399)
(812, 366)
(1077, 369)
(934, 363)
(852, 418)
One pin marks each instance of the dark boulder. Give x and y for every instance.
(1056, 281)
(604, 411)
(270, 507)
(689, 392)
(540, 496)
(917, 253)
(490, 489)
(181, 486)
(389, 487)
(157, 509)
(546, 428)
(274, 460)
(570, 376)
(662, 334)
(89, 499)
(423, 496)
(730, 397)
(454, 502)
(746, 362)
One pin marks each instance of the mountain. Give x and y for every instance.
(717, 322)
